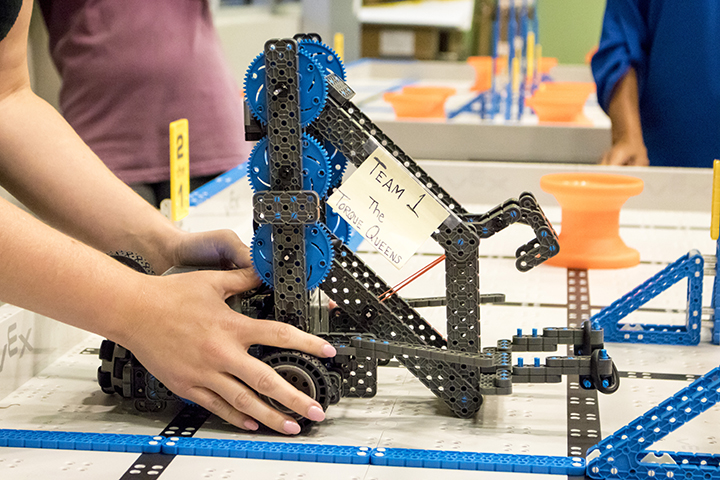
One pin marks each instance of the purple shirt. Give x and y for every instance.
(130, 67)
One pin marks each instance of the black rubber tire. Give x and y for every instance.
(105, 381)
(304, 372)
(106, 350)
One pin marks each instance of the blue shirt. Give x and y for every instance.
(674, 47)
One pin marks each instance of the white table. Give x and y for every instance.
(64, 395)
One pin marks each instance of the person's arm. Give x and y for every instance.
(179, 326)
(621, 54)
(50, 170)
(628, 147)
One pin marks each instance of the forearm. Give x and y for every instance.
(48, 167)
(624, 110)
(628, 146)
(57, 276)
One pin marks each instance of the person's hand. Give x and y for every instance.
(189, 338)
(218, 248)
(626, 152)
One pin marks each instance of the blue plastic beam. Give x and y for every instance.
(299, 452)
(625, 454)
(688, 266)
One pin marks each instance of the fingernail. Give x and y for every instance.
(291, 427)
(328, 350)
(251, 425)
(315, 414)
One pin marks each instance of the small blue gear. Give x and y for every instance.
(315, 166)
(318, 254)
(325, 56)
(312, 87)
(337, 225)
(338, 164)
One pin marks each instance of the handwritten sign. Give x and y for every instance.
(179, 170)
(389, 207)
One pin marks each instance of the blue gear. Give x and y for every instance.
(338, 164)
(312, 86)
(337, 225)
(315, 164)
(318, 254)
(325, 56)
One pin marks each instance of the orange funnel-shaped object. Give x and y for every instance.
(590, 230)
(419, 101)
(484, 70)
(560, 101)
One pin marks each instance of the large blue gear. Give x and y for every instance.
(312, 86)
(315, 166)
(325, 56)
(338, 164)
(338, 225)
(318, 254)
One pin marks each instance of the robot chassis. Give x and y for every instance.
(300, 105)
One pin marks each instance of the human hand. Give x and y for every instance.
(192, 341)
(630, 152)
(217, 248)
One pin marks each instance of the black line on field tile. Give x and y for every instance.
(583, 412)
(152, 465)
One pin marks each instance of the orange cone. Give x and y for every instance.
(590, 229)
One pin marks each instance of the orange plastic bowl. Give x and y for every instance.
(556, 108)
(483, 71)
(422, 90)
(590, 226)
(419, 102)
(583, 89)
(591, 191)
(547, 64)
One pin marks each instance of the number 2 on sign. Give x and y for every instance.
(179, 169)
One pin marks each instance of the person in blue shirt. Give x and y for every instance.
(657, 71)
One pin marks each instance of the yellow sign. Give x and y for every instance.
(179, 169)
(339, 45)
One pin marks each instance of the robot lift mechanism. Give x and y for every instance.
(302, 110)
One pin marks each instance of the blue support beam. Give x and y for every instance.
(625, 455)
(688, 266)
(292, 451)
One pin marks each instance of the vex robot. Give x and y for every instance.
(308, 130)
